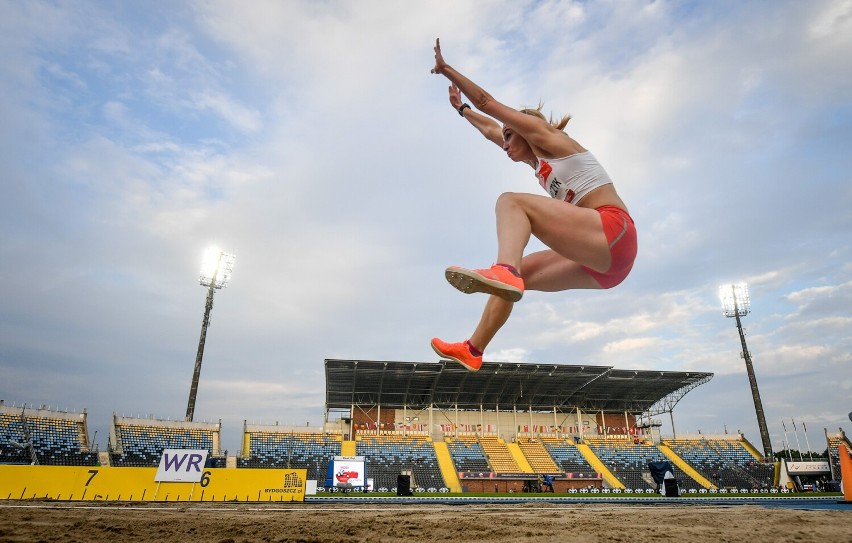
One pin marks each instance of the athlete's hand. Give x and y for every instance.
(439, 58)
(455, 97)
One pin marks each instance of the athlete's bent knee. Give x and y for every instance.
(507, 199)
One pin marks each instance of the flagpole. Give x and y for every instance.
(786, 441)
(798, 446)
(807, 442)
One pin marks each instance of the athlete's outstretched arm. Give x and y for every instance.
(532, 129)
(487, 126)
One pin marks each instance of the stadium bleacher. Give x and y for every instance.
(499, 457)
(726, 463)
(289, 449)
(44, 436)
(140, 442)
(12, 435)
(390, 455)
(60, 439)
(567, 457)
(627, 458)
(467, 455)
(834, 440)
(537, 455)
(58, 442)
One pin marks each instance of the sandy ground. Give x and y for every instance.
(238, 523)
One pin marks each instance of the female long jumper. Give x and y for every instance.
(590, 235)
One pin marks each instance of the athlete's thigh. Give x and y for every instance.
(549, 271)
(574, 232)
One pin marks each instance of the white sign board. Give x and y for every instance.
(181, 466)
(812, 467)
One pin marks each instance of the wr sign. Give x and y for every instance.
(181, 465)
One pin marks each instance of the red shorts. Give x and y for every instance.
(621, 233)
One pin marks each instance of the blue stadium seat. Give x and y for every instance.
(389, 455)
(292, 450)
(726, 463)
(142, 445)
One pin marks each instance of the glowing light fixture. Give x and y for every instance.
(216, 268)
(735, 300)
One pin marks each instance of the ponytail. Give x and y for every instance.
(536, 112)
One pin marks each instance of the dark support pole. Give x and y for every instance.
(755, 393)
(193, 390)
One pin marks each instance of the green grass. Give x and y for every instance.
(545, 496)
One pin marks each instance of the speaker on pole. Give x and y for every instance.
(403, 485)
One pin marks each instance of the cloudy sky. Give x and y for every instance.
(310, 139)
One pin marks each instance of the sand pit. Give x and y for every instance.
(238, 523)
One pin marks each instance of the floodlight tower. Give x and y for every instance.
(736, 303)
(215, 274)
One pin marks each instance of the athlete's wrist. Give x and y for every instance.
(461, 109)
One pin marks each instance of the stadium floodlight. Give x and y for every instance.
(735, 299)
(216, 269)
(736, 303)
(215, 273)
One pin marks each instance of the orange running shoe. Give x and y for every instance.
(498, 280)
(457, 352)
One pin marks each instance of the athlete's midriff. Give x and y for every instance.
(602, 196)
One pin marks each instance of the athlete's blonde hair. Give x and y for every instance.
(536, 112)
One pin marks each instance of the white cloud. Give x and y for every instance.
(631, 344)
(240, 117)
(508, 355)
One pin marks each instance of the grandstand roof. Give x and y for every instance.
(540, 387)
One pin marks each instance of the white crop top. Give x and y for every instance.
(572, 177)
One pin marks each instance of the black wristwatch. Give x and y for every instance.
(462, 108)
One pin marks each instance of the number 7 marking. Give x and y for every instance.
(92, 476)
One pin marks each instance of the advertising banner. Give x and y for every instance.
(102, 483)
(808, 468)
(348, 470)
(181, 466)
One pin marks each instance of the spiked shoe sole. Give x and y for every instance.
(469, 282)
